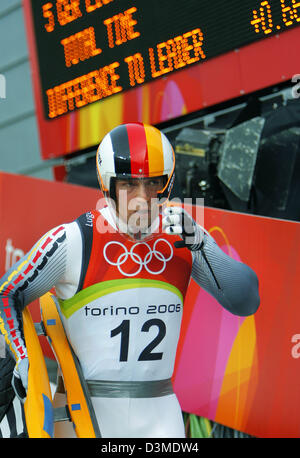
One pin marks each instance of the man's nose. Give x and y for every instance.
(142, 191)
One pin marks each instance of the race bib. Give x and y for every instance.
(125, 329)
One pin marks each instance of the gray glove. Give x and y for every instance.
(177, 221)
(20, 379)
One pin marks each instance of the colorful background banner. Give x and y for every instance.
(244, 372)
(241, 372)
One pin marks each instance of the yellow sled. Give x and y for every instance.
(39, 412)
(38, 405)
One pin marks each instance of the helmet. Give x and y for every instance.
(131, 151)
(135, 150)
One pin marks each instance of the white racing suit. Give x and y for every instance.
(121, 304)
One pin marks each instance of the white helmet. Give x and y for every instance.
(135, 150)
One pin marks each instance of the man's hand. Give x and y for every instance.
(20, 379)
(177, 221)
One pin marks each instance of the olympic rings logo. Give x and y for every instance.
(137, 259)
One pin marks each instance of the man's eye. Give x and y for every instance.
(155, 183)
(129, 185)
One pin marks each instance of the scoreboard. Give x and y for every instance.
(89, 50)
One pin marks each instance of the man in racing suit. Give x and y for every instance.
(121, 282)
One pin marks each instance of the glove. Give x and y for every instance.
(20, 379)
(177, 221)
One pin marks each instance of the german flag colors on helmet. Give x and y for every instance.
(135, 150)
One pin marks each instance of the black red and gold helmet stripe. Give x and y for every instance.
(135, 150)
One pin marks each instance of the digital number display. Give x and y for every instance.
(91, 49)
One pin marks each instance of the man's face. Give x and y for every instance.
(137, 203)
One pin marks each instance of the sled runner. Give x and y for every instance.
(38, 405)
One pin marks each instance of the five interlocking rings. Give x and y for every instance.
(137, 259)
